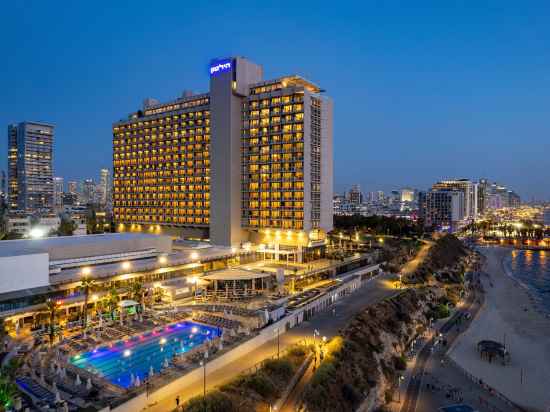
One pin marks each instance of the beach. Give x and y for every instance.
(509, 316)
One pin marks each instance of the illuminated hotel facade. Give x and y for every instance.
(249, 161)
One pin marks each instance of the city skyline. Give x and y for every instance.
(465, 108)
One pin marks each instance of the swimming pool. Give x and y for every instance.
(138, 354)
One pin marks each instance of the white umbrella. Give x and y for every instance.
(132, 379)
(77, 381)
(166, 364)
(137, 383)
(151, 371)
(89, 384)
(220, 345)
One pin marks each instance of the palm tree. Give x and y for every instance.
(112, 300)
(138, 292)
(86, 285)
(52, 306)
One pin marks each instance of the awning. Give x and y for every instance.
(233, 274)
(127, 303)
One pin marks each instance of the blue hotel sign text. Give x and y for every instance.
(220, 66)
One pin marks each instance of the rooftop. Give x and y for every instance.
(85, 245)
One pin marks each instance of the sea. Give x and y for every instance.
(532, 269)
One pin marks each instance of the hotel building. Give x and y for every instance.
(30, 174)
(250, 161)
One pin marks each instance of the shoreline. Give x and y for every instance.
(511, 316)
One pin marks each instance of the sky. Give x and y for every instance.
(422, 90)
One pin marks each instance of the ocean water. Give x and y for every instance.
(532, 270)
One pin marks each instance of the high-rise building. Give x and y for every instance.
(3, 192)
(58, 190)
(249, 161)
(444, 209)
(72, 186)
(88, 190)
(470, 191)
(104, 186)
(407, 195)
(30, 174)
(355, 195)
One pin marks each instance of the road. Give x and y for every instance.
(450, 333)
(327, 323)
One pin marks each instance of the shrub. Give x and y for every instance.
(442, 311)
(400, 363)
(261, 384)
(281, 368)
(216, 401)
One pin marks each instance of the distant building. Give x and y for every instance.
(88, 191)
(72, 187)
(58, 190)
(3, 190)
(355, 196)
(104, 187)
(444, 210)
(470, 191)
(30, 175)
(407, 195)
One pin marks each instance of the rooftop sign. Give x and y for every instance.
(219, 66)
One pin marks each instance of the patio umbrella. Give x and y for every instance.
(77, 381)
(89, 384)
(166, 364)
(151, 371)
(220, 345)
(132, 379)
(137, 383)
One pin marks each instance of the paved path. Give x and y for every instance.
(413, 264)
(450, 333)
(327, 323)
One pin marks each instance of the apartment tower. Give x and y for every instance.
(30, 174)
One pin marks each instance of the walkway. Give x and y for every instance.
(450, 333)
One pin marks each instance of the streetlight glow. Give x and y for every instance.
(86, 271)
(126, 265)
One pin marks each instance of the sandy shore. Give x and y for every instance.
(509, 315)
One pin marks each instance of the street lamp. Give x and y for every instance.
(86, 271)
(401, 378)
(315, 333)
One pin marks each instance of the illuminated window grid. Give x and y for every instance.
(273, 156)
(162, 169)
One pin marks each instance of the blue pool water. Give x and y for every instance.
(116, 363)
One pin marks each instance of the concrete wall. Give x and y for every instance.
(327, 172)
(23, 272)
(225, 154)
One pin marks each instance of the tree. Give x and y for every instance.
(86, 285)
(52, 306)
(66, 227)
(137, 292)
(112, 300)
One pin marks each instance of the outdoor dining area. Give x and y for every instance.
(231, 285)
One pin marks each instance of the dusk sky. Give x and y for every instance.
(421, 90)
